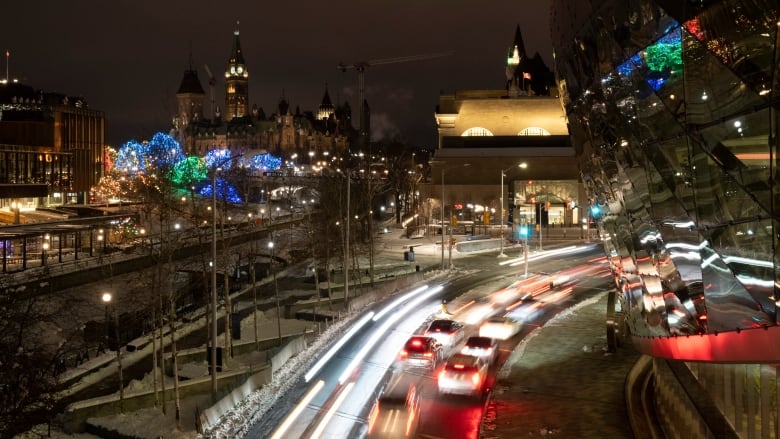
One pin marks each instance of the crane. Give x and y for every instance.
(361, 66)
(212, 84)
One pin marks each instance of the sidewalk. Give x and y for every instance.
(561, 381)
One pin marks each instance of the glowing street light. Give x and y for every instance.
(276, 293)
(501, 227)
(106, 298)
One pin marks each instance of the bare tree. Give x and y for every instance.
(30, 362)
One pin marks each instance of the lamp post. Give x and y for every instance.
(15, 207)
(276, 293)
(501, 227)
(442, 218)
(214, 283)
(540, 224)
(213, 370)
(44, 248)
(107, 301)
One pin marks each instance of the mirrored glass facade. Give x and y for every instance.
(672, 107)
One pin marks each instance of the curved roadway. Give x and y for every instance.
(335, 401)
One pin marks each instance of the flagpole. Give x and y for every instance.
(7, 59)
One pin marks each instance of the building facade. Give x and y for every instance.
(672, 111)
(485, 135)
(51, 149)
(311, 137)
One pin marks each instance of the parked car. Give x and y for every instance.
(420, 351)
(463, 375)
(447, 332)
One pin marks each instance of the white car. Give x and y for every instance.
(500, 328)
(527, 312)
(483, 347)
(463, 375)
(447, 332)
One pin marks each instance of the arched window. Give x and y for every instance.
(477, 131)
(534, 131)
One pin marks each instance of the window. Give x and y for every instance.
(476, 131)
(534, 131)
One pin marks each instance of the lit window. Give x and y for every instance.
(534, 131)
(476, 131)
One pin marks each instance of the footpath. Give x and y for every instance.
(562, 382)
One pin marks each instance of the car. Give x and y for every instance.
(483, 347)
(561, 280)
(500, 328)
(445, 331)
(463, 375)
(527, 312)
(396, 412)
(420, 351)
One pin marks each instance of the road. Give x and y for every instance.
(335, 402)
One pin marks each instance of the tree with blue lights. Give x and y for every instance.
(262, 162)
(225, 191)
(218, 158)
(161, 153)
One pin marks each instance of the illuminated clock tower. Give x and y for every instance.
(236, 83)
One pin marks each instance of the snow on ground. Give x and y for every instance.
(237, 422)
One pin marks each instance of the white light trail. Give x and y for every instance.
(332, 411)
(399, 300)
(332, 351)
(282, 430)
(550, 253)
(380, 332)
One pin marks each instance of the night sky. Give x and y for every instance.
(127, 58)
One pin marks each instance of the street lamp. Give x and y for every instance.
(15, 207)
(501, 227)
(442, 217)
(276, 293)
(107, 301)
(44, 247)
(214, 271)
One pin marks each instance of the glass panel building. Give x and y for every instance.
(672, 109)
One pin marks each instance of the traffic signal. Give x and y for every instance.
(523, 231)
(486, 218)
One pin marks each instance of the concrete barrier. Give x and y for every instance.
(77, 414)
(241, 383)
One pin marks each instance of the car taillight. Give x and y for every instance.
(465, 350)
(428, 355)
(442, 374)
(475, 379)
(489, 351)
(404, 353)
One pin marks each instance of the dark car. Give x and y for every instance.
(421, 351)
(396, 413)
